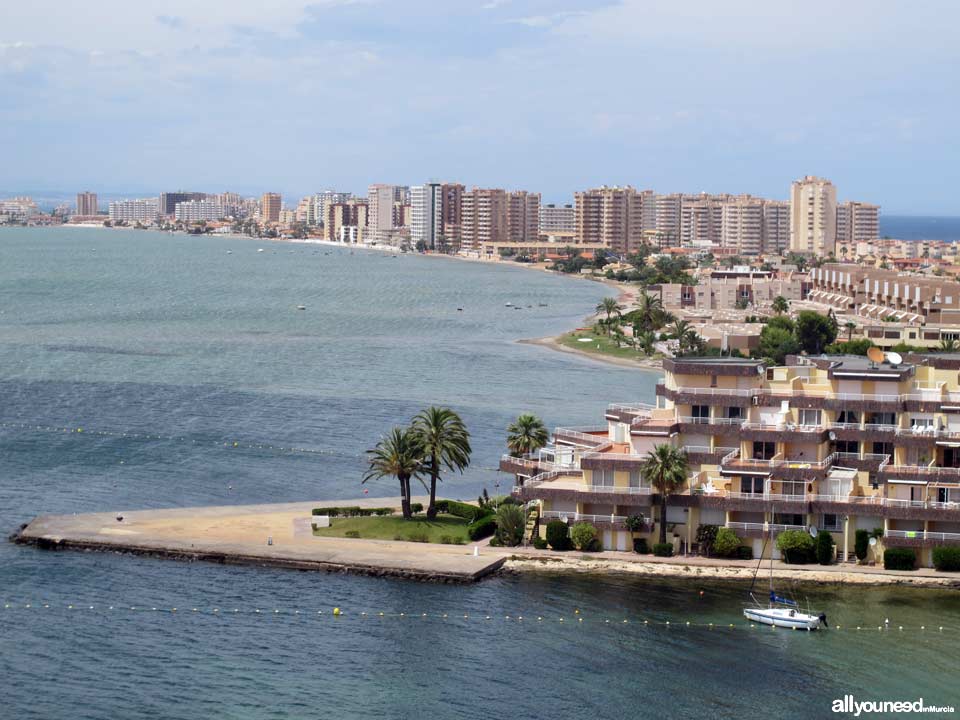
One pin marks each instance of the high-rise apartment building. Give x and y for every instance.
(346, 221)
(168, 201)
(199, 210)
(857, 222)
(380, 199)
(270, 206)
(231, 203)
(813, 216)
(451, 215)
(667, 218)
(741, 225)
(426, 214)
(557, 220)
(776, 226)
(613, 216)
(523, 216)
(701, 217)
(87, 203)
(142, 210)
(323, 200)
(484, 218)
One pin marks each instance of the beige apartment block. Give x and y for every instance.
(483, 218)
(87, 203)
(813, 216)
(857, 222)
(613, 216)
(380, 200)
(523, 216)
(270, 205)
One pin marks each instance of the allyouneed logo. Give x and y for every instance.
(848, 705)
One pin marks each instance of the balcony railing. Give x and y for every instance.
(525, 461)
(631, 407)
(581, 517)
(773, 528)
(932, 470)
(582, 436)
(784, 427)
(716, 392)
(922, 535)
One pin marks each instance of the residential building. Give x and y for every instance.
(857, 222)
(346, 221)
(426, 214)
(451, 215)
(270, 206)
(877, 294)
(18, 209)
(776, 227)
(667, 219)
(613, 216)
(144, 210)
(323, 200)
(523, 216)
(380, 199)
(168, 201)
(838, 443)
(701, 220)
(557, 220)
(232, 204)
(483, 218)
(813, 216)
(741, 225)
(193, 211)
(87, 204)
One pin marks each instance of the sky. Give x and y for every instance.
(553, 96)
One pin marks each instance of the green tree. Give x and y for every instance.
(650, 311)
(526, 434)
(511, 522)
(850, 326)
(726, 542)
(948, 345)
(776, 343)
(780, 304)
(583, 535)
(446, 446)
(645, 341)
(611, 308)
(665, 469)
(814, 331)
(399, 455)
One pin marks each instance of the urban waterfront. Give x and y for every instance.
(192, 344)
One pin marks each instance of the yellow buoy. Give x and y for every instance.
(336, 611)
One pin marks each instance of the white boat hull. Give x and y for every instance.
(782, 617)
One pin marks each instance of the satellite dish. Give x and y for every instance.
(832, 436)
(873, 541)
(813, 531)
(875, 354)
(894, 358)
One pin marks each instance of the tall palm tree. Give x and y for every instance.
(610, 307)
(526, 434)
(850, 326)
(399, 454)
(665, 469)
(446, 445)
(651, 311)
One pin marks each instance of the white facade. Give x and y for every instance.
(144, 210)
(813, 216)
(322, 202)
(199, 210)
(426, 204)
(741, 226)
(557, 219)
(380, 200)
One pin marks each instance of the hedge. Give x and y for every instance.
(481, 528)
(796, 546)
(744, 552)
(416, 507)
(899, 559)
(946, 559)
(861, 544)
(353, 511)
(640, 546)
(539, 543)
(583, 534)
(824, 548)
(558, 535)
(663, 549)
(462, 510)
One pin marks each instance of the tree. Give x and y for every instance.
(650, 310)
(583, 535)
(780, 304)
(645, 340)
(511, 522)
(610, 307)
(446, 445)
(726, 542)
(948, 345)
(850, 326)
(526, 434)
(776, 343)
(814, 331)
(399, 455)
(665, 469)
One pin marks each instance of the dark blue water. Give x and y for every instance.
(186, 349)
(920, 227)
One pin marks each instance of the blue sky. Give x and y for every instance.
(547, 95)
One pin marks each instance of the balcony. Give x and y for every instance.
(783, 431)
(526, 465)
(746, 529)
(605, 521)
(930, 471)
(871, 462)
(569, 485)
(590, 437)
(611, 461)
(705, 455)
(919, 538)
(628, 413)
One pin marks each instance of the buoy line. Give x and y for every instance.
(575, 618)
(230, 444)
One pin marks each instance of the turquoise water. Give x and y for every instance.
(187, 345)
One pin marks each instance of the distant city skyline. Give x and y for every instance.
(137, 97)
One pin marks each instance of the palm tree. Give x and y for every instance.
(399, 455)
(850, 326)
(780, 304)
(680, 328)
(651, 311)
(610, 307)
(446, 444)
(948, 345)
(526, 434)
(665, 469)
(645, 341)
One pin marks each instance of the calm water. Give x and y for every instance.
(175, 338)
(920, 227)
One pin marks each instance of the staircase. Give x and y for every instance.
(533, 522)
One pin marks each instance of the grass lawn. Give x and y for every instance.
(394, 527)
(599, 345)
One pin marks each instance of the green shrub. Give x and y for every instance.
(861, 544)
(796, 546)
(594, 546)
(442, 506)
(446, 540)
(640, 546)
(511, 523)
(494, 542)
(946, 559)
(824, 548)
(482, 527)
(381, 512)
(663, 549)
(416, 508)
(352, 511)
(635, 523)
(459, 540)
(726, 542)
(352, 533)
(582, 534)
(418, 536)
(706, 535)
(539, 543)
(899, 559)
(557, 535)
(462, 510)
(744, 552)
(398, 536)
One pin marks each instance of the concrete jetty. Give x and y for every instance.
(276, 535)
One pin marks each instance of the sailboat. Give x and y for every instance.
(781, 611)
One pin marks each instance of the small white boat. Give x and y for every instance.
(508, 305)
(301, 307)
(784, 613)
(260, 250)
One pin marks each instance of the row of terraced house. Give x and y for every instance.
(834, 442)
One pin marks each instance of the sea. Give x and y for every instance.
(920, 227)
(148, 370)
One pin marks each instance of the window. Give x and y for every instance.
(849, 417)
(751, 485)
(882, 419)
(734, 413)
(700, 413)
(603, 477)
(636, 479)
(764, 450)
(831, 522)
(809, 417)
(943, 495)
(847, 446)
(789, 519)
